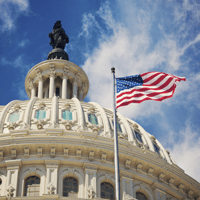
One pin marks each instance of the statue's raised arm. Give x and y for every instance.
(58, 36)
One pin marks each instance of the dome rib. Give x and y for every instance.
(79, 112)
(27, 117)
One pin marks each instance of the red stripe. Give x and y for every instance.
(149, 95)
(145, 88)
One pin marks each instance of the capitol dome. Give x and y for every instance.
(56, 146)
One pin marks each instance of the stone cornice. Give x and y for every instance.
(12, 164)
(89, 166)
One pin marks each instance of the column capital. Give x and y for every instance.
(31, 84)
(39, 75)
(52, 72)
(65, 75)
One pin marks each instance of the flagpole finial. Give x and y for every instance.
(113, 70)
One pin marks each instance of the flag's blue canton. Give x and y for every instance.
(128, 82)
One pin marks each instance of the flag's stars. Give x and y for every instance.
(128, 82)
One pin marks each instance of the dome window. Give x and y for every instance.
(67, 115)
(70, 187)
(41, 114)
(138, 136)
(156, 148)
(140, 196)
(119, 129)
(92, 119)
(107, 191)
(14, 117)
(32, 186)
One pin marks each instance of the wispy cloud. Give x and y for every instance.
(135, 51)
(185, 150)
(9, 12)
(23, 43)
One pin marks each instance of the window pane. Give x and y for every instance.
(14, 117)
(107, 191)
(92, 119)
(138, 136)
(67, 115)
(70, 185)
(118, 127)
(32, 186)
(41, 114)
(156, 149)
(140, 196)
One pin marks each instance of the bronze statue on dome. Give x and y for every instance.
(58, 42)
(58, 36)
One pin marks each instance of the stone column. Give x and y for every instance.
(52, 75)
(81, 93)
(75, 83)
(13, 167)
(90, 180)
(40, 84)
(74, 93)
(51, 177)
(32, 88)
(65, 76)
(126, 181)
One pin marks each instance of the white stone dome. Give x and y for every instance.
(66, 117)
(55, 137)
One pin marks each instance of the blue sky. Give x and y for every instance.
(132, 36)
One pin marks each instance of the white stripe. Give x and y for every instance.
(151, 89)
(145, 96)
(149, 74)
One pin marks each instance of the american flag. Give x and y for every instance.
(155, 86)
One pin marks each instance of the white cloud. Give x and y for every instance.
(186, 150)
(131, 52)
(9, 12)
(23, 43)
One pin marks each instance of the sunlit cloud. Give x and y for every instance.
(135, 51)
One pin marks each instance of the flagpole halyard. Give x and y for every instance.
(116, 157)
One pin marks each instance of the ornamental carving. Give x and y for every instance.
(10, 191)
(52, 72)
(51, 189)
(91, 192)
(128, 197)
(39, 74)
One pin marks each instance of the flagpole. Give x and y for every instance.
(116, 157)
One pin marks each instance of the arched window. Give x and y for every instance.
(140, 196)
(138, 136)
(92, 119)
(107, 191)
(70, 186)
(67, 115)
(157, 150)
(41, 114)
(14, 117)
(119, 129)
(32, 186)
